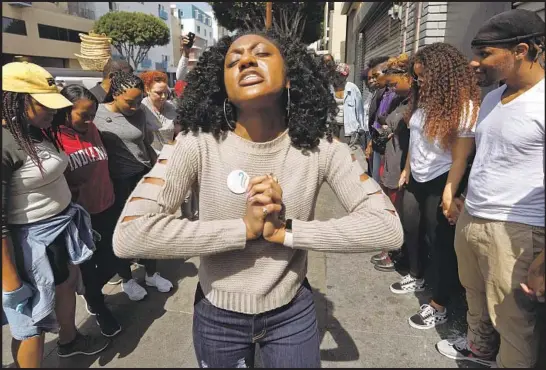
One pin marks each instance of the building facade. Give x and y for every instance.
(195, 20)
(334, 31)
(392, 28)
(217, 31)
(45, 32)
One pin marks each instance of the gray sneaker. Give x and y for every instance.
(82, 345)
(376, 258)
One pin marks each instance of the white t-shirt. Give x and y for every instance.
(428, 159)
(507, 178)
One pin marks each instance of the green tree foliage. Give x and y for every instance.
(133, 34)
(250, 15)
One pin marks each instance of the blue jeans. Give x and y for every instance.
(288, 336)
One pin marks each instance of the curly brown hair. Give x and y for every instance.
(449, 85)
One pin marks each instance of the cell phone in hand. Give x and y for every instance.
(190, 36)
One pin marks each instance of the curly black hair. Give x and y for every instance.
(374, 62)
(312, 106)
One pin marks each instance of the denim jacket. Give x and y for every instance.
(353, 110)
(33, 239)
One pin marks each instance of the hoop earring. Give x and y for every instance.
(226, 117)
(288, 103)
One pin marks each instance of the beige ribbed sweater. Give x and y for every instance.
(253, 276)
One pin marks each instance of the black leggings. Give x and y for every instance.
(104, 264)
(421, 211)
(123, 189)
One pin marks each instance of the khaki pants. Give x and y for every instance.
(494, 258)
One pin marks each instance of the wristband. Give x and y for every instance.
(288, 236)
(288, 239)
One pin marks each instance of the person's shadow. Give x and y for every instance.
(346, 349)
(134, 317)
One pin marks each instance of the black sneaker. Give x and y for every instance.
(408, 284)
(82, 345)
(109, 327)
(115, 280)
(385, 265)
(428, 317)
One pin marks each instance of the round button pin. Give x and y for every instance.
(237, 181)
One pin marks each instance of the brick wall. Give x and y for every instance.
(432, 28)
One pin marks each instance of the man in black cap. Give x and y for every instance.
(500, 233)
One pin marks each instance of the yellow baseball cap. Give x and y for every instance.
(30, 78)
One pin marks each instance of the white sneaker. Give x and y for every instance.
(162, 284)
(458, 349)
(133, 290)
(428, 317)
(408, 284)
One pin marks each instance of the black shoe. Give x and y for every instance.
(82, 345)
(109, 327)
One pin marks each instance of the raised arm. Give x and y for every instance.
(149, 226)
(372, 223)
(182, 68)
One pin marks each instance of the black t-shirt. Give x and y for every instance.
(99, 92)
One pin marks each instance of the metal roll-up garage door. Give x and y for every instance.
(381, 36)
(359, 61)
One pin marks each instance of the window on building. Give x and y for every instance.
(196, 13)
(15, 26)
(205, 33)
(199, 29)
(57, 33)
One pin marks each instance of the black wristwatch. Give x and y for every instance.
(288, 225)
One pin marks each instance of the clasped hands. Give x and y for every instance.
(264, 215)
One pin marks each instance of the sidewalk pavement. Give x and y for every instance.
(362, 324)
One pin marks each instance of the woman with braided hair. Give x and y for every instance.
(40, 251)
(256, 138)
(443, 108)
(128, 137)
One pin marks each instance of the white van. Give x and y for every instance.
(66, 76)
